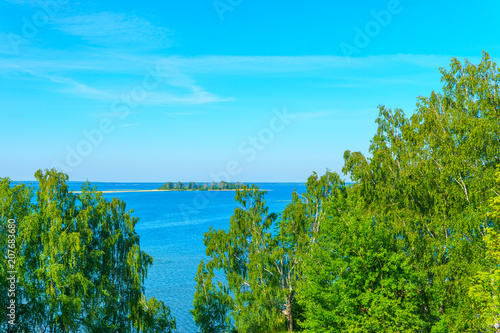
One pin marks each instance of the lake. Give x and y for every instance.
(172, 225)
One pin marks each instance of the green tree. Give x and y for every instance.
(260, 259)
(167, 186)
(485, 285)
(357, 276)
(407, 247)
(79, 262)
(296, 231)
(16, 204)
(212, 303)
(243, 256)
(424, 190)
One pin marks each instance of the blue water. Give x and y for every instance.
(172, 226)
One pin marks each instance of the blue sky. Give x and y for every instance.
(236, 90)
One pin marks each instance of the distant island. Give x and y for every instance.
(192, 186)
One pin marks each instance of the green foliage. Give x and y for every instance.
(412, 246)
(243, 256)
(425, 189)
(15, 203)
(212, 304)
(192, 186)
(80, 267)
(357, 277)
(167, 186)
(485, 284)
(260, 260)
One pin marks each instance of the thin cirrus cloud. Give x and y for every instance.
(115, 30)
(178, 70)
(276, 64)
(175, 88)
(122, 35)
(76, 87)
(196, 97)
(72, 86)
(176, 73)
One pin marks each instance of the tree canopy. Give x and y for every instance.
(411, 246)
(79, 263)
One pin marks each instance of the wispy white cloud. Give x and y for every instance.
(274, 64)
(76, 87)
(174, 86)
(181, 68)
(115, 30)
(83, 71)
(197, 97)
(70, 85)
(172, 91)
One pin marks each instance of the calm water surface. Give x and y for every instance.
(171, 227)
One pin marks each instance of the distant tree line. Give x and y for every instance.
(412, 246)
(201, 187)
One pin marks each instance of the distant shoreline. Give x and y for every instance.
(156, 190)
